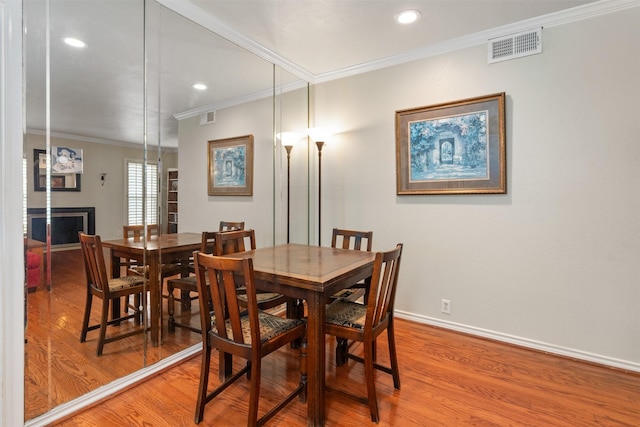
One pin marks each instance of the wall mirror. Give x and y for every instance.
(72, 97)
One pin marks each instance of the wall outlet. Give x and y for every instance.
(120, 233)
(445, 306)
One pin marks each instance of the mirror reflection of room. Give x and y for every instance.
(94, 182)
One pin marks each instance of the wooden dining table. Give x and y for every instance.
(311, 273)
(163, 248)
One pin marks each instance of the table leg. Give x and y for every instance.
(155, 303)
(316, 359)
(115, 272)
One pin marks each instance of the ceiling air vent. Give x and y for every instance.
(207, 118)
(516, 45)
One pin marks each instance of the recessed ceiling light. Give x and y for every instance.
(74, 42)
(407, 16)
(199, 86)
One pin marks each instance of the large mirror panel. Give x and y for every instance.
(126, 103)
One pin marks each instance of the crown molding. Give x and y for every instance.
(93, 140)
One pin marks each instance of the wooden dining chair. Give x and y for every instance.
(243, 331)
(168, 269)
(364, 323)
(107, 290)
(353, 240)
(187, 285)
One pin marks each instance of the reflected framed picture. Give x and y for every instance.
(58, 181)
(453, 148)
(230, 163)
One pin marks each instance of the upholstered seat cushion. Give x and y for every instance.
(125, 282)
(165, 268)
(346, 313)
(270, 326)
(261, 297)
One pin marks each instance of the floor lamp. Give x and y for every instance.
(288, 146)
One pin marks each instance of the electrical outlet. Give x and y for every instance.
(445, 306)
(120, 233)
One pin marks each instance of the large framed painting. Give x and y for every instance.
(453, 148)
(231, 166)
(66, 170)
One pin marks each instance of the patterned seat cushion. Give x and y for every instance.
(125, 282)
(261, 297)
(346, 313)
(270, 326)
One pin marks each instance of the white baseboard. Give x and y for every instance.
(523, 342)
(110, 389)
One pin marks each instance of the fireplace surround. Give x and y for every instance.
(65, 224)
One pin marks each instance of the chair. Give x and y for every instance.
(364, 323)
(351, 239)
(186, 285)
(243, 331)
(231, 242)
(100, 286)
(166, 269)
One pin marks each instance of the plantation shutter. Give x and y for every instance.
(135, 193)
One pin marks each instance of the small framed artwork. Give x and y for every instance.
(58, 181)
(230, 166)
(453, 148)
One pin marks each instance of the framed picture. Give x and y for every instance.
(452, 148)
(231, 166)
(58, 181)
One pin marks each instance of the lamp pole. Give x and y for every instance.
(319, 144)
(288, 148)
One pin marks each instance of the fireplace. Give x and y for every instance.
(65, 224)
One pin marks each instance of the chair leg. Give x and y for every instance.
(87, 315)
(369, 374)
(393, 356)
(204, 381)
(342, 350)
(255, 392)
(170, 308)
(303, 370)
(225, 365)
(103, 324)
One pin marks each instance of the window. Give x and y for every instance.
(135, 185)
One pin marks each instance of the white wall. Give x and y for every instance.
(553, 263)
(197, 210)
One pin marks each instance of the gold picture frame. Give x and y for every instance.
(230, 166)
(452, 148)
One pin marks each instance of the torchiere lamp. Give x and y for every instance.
(320, 136)
(288, 141)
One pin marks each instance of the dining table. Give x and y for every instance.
(313, 274)
(152, 251)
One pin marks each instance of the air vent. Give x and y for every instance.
(515, 45)
(207, 118)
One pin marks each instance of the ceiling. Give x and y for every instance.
(98, 92)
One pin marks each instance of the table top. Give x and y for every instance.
(163, 242)
(311, 267)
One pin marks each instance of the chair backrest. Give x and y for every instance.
(382, 291)
(134, 231)
(217, 278)
(231, 226)
(231, 242)
(94, 265)
(351, 239)
(208, 242)
(152, 230)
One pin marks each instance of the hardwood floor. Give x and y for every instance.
(448, 379)
(58, 368)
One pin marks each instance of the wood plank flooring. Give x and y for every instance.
(448, 379)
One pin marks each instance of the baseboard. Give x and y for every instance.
(523, 342)
(107, 391)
